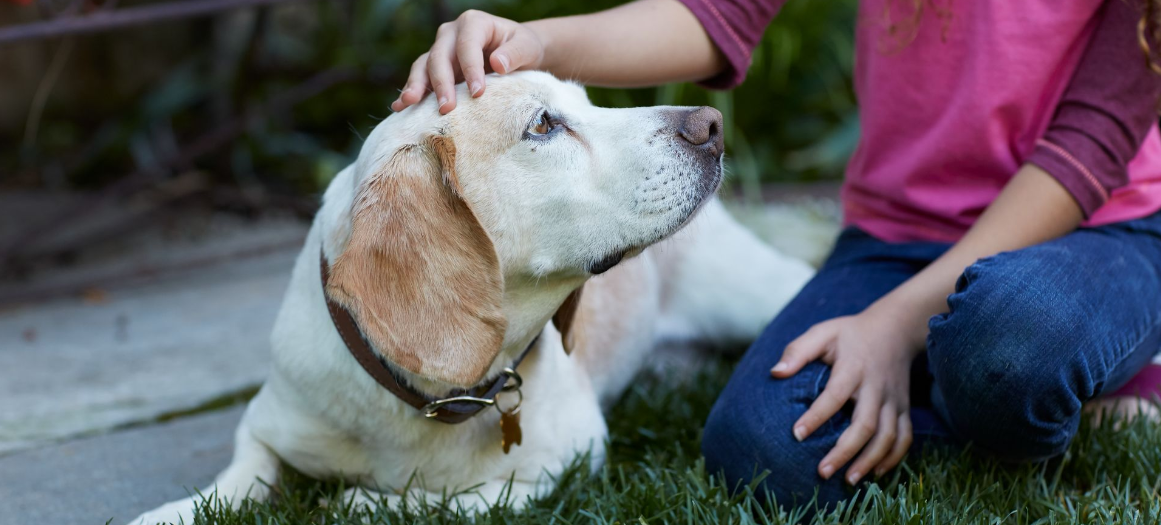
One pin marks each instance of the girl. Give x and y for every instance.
(1001, 263)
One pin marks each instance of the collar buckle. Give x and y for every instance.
(512, 383)
(431, 410)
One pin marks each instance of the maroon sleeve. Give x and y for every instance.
(1105, 113)
(736, 27)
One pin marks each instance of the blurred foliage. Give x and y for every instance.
(792, 120)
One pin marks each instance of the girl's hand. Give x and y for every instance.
(871, 353)
(467, 49)
(870, 356)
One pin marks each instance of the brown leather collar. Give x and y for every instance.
(449, 411)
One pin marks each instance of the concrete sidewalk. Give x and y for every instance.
(172, 315)
(115, 476)
(72, 367)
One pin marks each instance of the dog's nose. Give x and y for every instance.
(702, 127)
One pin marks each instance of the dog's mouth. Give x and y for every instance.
(711, 187)
(709, 184)
(606, 263)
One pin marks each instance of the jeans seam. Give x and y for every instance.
(815, 390)
(1129, 351)
(818, 384)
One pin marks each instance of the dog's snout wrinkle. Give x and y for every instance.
(702, 127)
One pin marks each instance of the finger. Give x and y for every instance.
(880, 446)
(903, 438)
(864, 423)
(470, 41)
(521, 50)
(416, 85)
(441, 62)
(838, 391)
(809, 346)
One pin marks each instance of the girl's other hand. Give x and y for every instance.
(466, 49)
(870, 355)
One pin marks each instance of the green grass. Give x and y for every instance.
(654, 475)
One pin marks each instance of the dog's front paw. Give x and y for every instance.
(179, 512)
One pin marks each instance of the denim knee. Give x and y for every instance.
(1000, 359)
(748, 433)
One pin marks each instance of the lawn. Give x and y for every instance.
(654, 475)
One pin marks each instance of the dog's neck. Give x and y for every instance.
(528, 307)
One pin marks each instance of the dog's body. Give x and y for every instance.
(514, 235)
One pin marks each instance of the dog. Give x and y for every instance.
(477, 287)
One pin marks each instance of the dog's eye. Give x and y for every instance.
(542, 126)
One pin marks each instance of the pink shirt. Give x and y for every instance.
(948, 117)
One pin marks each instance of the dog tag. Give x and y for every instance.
(510, 429)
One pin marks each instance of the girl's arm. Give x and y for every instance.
(1099, 126)
(642, 43)
(1034, 207)
(871, 353)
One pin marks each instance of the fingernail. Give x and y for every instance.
(503, 62)
(442, 102)
(475, 88)
(779, 367)
(800, 433)
(879, 472)
(853, 477)
(827, 470)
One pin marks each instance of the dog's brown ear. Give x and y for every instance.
(419, 274)
(565, 320)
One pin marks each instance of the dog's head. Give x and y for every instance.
(453, 236)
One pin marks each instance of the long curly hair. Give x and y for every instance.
(1149, 32)
(901, 28)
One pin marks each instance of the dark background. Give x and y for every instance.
(250, 110)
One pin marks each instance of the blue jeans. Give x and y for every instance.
(1030, 336)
